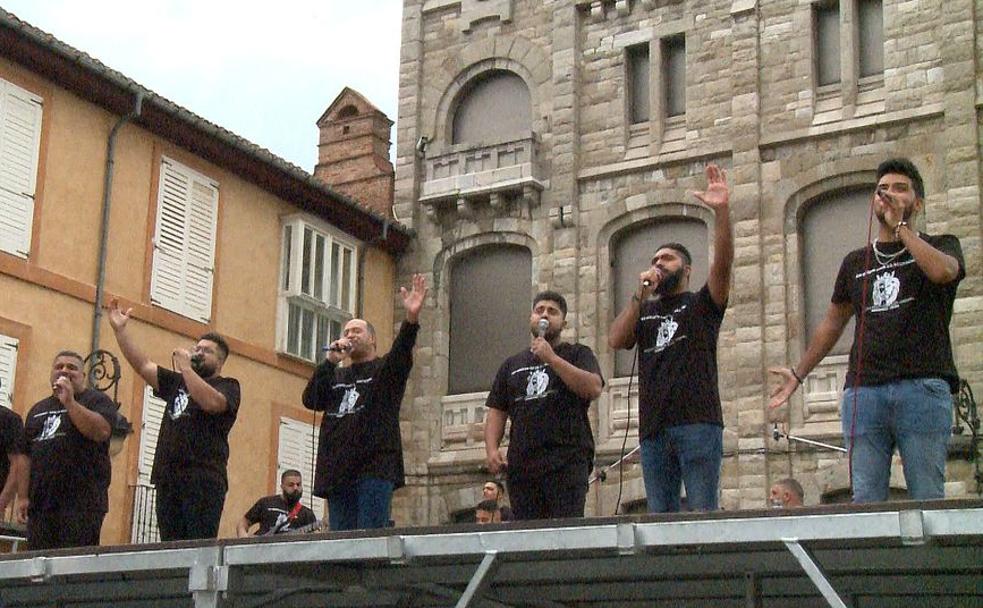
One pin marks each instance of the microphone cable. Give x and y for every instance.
(624, 442)
(862, 323)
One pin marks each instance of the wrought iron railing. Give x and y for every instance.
(968, 418)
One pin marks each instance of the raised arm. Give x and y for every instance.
(717, 198)
(208, 398)
(143, 366)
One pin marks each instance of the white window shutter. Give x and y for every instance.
(184, 242)
(295, 452)
(8, 370)
(20, 142)
(153, 415)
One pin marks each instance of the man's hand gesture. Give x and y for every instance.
(717, 194)
(117, 316)
(413, 298)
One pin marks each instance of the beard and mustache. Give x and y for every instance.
(201, 368)
(670, 281)
(291, 498)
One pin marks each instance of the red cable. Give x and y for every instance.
(860, 342)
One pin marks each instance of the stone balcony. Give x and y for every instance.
(463, 177)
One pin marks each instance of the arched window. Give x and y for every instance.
(832, 225)
(632, 250)
(490, 302)
(493, 107)
(348, 111)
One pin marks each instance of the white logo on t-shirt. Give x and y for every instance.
(886, 289)
(180, 404)
(348, 401)
(51, 424)
(538, 381)
(667, 329)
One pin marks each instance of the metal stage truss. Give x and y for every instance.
(895, 554)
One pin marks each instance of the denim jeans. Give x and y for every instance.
(913, 415)
(360, 505)
(688, 454)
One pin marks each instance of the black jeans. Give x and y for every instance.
(556, 494)
(189, 507)
(59, 529)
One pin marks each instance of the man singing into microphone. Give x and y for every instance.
(901, 372)
(67, 443)
(546, 390)
(189, 469)
(680, 420)
(359, 452)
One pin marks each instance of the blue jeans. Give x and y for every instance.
(360, 505)
(687, 454)
(913, 415)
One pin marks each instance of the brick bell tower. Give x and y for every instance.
(353, 151)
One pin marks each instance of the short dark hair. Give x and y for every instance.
(683, 251)
(223, 346)
(290, 473)
(70, 353)
(552, 296)
(903, 166)
(487, 505)
(792, 486)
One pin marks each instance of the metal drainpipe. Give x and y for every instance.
(106, 203)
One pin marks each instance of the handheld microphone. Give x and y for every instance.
(541, 327)
(335, 348)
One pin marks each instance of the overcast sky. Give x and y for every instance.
(265, 71)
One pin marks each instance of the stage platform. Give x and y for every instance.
(890, 555)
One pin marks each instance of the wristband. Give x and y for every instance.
(796, 376)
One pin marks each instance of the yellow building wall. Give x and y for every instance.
(48, 299)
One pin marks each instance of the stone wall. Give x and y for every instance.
(752, 107)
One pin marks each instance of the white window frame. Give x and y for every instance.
(8, 369)
(20, 148)
(183, 271)
(152, 418)
(296, 444)
(314, 290)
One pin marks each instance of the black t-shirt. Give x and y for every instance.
(271, 512)
(68, 471)
(191, 439)
(11, 440)
(677, 369)
(550, 426)
(360, 428)
(906, 322)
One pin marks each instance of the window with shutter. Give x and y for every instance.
(20, 142)
(317, 289)
(8, 369)
(296, 449)
(144, 512)
(184, 241)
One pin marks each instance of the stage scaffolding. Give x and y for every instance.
(896, 554)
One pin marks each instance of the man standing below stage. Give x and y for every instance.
(359, 452)
(546, 390)
(786, 494)
(67, 443)
(681, 424)
(280, 513)
(901, 372)
(189, 470)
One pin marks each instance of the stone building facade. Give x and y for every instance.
(554, 143)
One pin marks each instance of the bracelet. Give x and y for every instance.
(897, 228)
(796, 376)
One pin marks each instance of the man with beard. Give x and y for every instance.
(546, 390)
(280, 513)
(189, 470)
(681, 425)
(901, 372)
(360, 452)
(67, 443)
